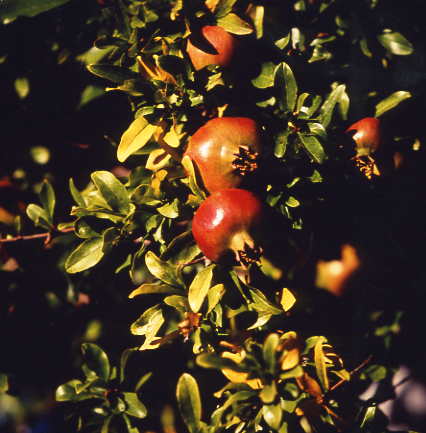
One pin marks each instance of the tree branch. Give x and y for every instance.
(351, 373)
(46, 235)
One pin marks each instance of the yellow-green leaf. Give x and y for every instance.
(189, 401)
(135, 137)
(391, 102)
(287, 299)
(193, 184)
(200, 287)
(150, 288)
(162, 270)
(320, 364)
(86, 255)
(232, 23)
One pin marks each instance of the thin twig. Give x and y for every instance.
(36, 236)
(192, 262)
(351, 373)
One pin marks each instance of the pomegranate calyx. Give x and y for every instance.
(246, 161)
(245, 249)
(249, 255)
(367, 166)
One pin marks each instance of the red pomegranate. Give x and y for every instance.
(367, 135)
(223, 46)
(227, 222)
(224, 150)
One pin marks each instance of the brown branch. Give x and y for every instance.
(192, 262)
(351, 373)
(46, 235)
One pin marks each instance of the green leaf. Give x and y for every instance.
(232, 23)
(134, 406)
(117, 74)
(283, 42)
(272, 414)
(4, 383)
(261, 320)
(309, 111)
(148, 324)
(224, 7)
(89, 94)
(312, 146)
(301, 100)
(47, 198)
(181, 249)
(86, 255)
(40, 154)
(125, 355)
(199, 288)
(211, 360)
(368, 417)
(153, 288)
(22, 87)
(344, 103)
(258, 18)
(214, 296)
(316, 128)
(39, 216)
(261, 303)
(162, 270)
(89, 227)
(170, 210)
(106, 423)
(189, 402)
(11, 9)
(269, 352)
(178, 302)
(94, 55)
(268, 393)
(391, 101)
(96, 360)
(396, 43)
(320, 365)
(193, 182)
(135, 137)
(68, 391)
(76, 195)
(233, 398)
(363, 45)
(112, 190)
(281, 141)
(327, 108)
(266, 77)
(375, 372)
(142, 381)
(285, 83)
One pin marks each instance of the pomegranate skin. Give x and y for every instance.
(226, 221)
(368, 135)
(222, 42)
(214, 146)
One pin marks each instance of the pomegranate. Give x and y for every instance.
(367, 135)
(222, 51)
(225, 149)
(227, 222)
